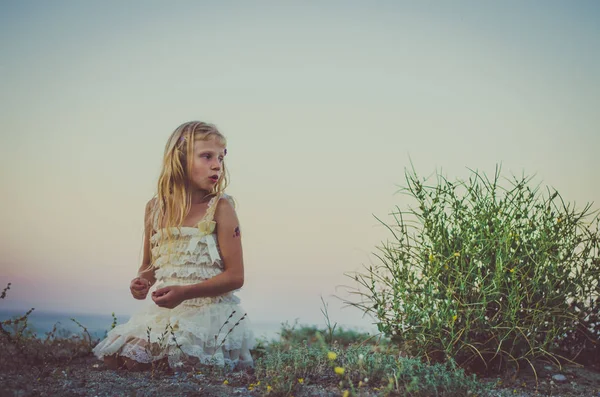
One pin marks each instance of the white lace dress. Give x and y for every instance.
(209, 330)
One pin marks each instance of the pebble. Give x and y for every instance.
(560, 378)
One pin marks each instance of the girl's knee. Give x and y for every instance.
(113, 362)
(133, 365)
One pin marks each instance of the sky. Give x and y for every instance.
(324, 105)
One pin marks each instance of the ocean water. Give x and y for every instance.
(41, 323)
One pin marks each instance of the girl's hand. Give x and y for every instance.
(169, 297)
(139, 288)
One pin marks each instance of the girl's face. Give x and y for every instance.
(207, 164)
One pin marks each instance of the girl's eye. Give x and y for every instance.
(205, 155)
(221, 158)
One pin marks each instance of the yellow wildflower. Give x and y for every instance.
(558, 220)
(339, 370)
(331, 355)
(346, 393)
(360, 384)
(258, 383)
(269, 389)
(446, 267)
(512, 270)
(225, 382)
(456, 254)
(454, 317)
(300, 380)
(431, 258)
(250, 388)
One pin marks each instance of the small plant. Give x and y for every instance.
(484, 274)
(157, 347)
(24, 351)
(220, 345)
(287, 368)
(3, 295)
(114, 322)
(330, 329)
(296, 334)
(86, 335)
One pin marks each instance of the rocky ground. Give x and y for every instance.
(87, 376)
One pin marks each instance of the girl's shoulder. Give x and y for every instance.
(151, 205)
(225, 208)
(228, 199)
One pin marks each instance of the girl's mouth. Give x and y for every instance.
(214, 178)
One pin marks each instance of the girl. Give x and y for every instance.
(193, 256)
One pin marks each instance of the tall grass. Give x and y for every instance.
(487, 272)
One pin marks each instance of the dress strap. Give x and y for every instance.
(212, 208)
(206, 226)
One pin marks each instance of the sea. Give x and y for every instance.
(41, 323)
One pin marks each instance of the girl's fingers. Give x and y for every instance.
(159, 300)
(139, 283)
(162, 291)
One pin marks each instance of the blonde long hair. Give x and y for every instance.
(174, 194)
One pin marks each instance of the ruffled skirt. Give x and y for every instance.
(207, 331)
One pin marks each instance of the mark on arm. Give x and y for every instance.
(236, 232)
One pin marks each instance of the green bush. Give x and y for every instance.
(485, 274)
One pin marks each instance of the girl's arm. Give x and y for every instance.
(230, 244)
(145, 270)
(139, 288)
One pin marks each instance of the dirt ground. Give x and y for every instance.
(89, 377)
(578, 381)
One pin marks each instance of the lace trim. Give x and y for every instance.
(187, 355)
(200, 302)
(184, 231)
(188, 336)
(184, 259)
(200, 272)
(179, 356)
(193, 337)
(204, 254)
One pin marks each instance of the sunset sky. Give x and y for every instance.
(324, 104)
